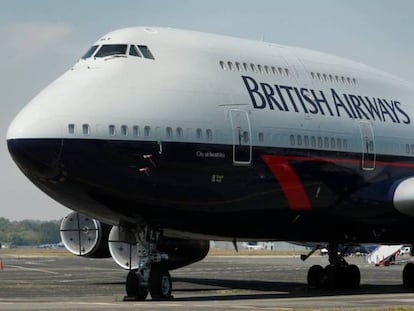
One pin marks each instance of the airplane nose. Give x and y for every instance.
(34, 143)
(38, 158)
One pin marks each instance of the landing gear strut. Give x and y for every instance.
(150, 276)
(337, 275)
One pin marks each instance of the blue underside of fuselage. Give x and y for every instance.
(197, 188)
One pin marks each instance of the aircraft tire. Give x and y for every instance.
(160, 284)
(352, 276)
(408, 275)
(133, 287)
(315, 276)
(333, 277)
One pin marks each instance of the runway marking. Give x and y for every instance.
(33, 269)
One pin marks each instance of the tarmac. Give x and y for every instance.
(216, 283)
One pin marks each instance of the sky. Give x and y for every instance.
(41, 39)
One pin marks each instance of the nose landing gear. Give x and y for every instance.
(150, 277)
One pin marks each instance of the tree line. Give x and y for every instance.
(29, 232)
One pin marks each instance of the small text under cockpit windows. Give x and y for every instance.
(111, 49)
(90, 52)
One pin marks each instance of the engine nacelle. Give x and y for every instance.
(182, 252)
(85, 236)
(125, 250)
(403, 197)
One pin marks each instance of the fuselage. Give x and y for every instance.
(209, 135)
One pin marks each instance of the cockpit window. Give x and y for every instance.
(133, 51)
(145, 51)
(111, 49)
(90, 52)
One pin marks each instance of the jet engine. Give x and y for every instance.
(85, 236)
(181, 252)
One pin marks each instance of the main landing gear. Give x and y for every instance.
(337, 275)
(150, 276)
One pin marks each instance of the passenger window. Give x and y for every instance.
(90, 52)
(179, 132)
(124, 130)
(223, 65)
(246, 67)
(313, 141)
(112, 130)
(326, 142)
(287, 71)
(133, 51)
(339, 143)
(307, 141)
(145, 51)
(71, 129)
(230, 64)
(267, 69)
(209, 135)
(85, 129)
(407, 148)
(292, 140)
(199, 134)
(280, 71)
(260, 68)
(246, 136)
(274, 70)
(111, 49)
(135, 131)
(320, 145)
(261, 137)
(371, 147)
(147, 131)
(253, 67)
(332, 143)
(169, 132)
(239, 67)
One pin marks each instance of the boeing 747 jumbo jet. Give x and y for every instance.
(161, 139)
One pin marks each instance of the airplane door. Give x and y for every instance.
(368, 145)
(241, 135)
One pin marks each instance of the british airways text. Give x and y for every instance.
(289, 98)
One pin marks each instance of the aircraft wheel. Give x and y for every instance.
(408, 275)
(315, 276)
(134, 288)
(160, 284)
(352, 276)
(333, 277)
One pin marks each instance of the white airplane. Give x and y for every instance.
(161, 139)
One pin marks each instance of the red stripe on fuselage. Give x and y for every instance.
(292, 186)
(289, 182)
